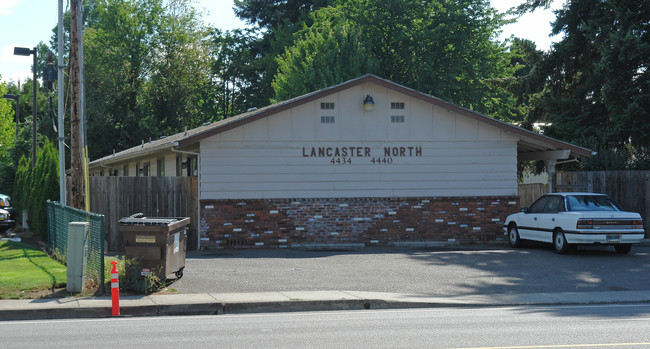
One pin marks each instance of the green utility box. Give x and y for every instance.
(159, 243)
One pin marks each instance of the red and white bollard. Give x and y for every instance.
(115, 289)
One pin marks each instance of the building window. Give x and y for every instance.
(396, 105)
(397, 119)
(146, 170)
(179, 166)
(138, 170)
(327, 119)
(125, 170)
(192, 167)
(160, 167)
(327, 106)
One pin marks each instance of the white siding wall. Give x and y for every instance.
(451, 155)
(170, 164)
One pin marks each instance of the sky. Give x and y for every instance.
(25, 23)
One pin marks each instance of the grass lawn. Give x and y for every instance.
(24, 269)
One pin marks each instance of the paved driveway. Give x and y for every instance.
(461, 271)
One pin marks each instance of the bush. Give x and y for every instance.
(32, 188)
(131, 279)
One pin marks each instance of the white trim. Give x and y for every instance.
(198, 197)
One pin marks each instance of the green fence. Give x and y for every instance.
(58, 218)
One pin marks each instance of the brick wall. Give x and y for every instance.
(281, 223)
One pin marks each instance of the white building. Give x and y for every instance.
(327, 168)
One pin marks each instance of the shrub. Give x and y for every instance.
(131, 279)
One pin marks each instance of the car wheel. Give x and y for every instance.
(179, 273)
(559, 242)
(623, 248)
(513, 236)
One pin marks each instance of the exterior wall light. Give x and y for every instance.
(368, 104)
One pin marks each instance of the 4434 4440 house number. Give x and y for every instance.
(374, 161)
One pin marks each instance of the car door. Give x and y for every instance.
(527, 222)
(547, 220)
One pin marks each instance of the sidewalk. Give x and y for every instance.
(239, 303)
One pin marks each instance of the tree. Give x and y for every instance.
(276, 13)
(22, 185)
(445, 48)
(234, 73)
(278, 20)
(119, 49)
(326, 54)
(178, 70)
(44, 186)
(7, 140)
(523, 85)
(7, 124)
(597, 91)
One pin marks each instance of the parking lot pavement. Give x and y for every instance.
(230, 282)
(468, 270)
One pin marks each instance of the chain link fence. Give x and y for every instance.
(58, 218)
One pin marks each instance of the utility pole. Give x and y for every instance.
(60, 111)
(78, 185)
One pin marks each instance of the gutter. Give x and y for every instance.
(198, 197)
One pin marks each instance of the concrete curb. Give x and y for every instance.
(241, 303)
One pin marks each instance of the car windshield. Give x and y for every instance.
(591, 203)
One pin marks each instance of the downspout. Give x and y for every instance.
(198, 198)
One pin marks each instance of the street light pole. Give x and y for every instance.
(34, 118)
(23, 51)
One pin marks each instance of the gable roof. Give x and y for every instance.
(530, 142)
(531, 145)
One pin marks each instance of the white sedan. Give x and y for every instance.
(570, 219)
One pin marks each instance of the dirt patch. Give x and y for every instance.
(55, 293)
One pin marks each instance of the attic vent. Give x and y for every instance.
(163, 137)
(206, 123)
(252, 109)
(327, 119)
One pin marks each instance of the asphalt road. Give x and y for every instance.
(461, 271)
(595, 326)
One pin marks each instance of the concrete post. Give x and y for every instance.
(550, 169)
(76, 255)
(25, 226)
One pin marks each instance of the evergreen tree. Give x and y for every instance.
(597, 91)
(329, 52)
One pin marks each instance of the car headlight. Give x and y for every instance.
(3, 216)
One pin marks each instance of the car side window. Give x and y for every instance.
(539, 205)
(555, 204)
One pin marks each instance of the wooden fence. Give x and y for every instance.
(528, 193)
(117, 197)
